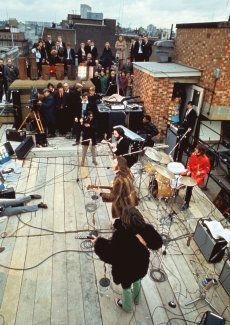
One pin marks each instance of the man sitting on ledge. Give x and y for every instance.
(10, 207)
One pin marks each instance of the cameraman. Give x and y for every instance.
(48, 112)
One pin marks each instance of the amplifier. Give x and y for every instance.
(210, 318)
(212, 249)
(41, 138)
(8, 193)
(9, 148)
(224, 277)
(24, 148)
(14, 135)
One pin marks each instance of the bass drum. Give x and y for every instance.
(160, 187)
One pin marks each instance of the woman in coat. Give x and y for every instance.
(121, 47)
(122, 192)
(128, 253)
(107, 57)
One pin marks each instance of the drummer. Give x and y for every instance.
(198, 167)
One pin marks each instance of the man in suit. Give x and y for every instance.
(49, 44)
(147, 49)
(11, 73)
(69, 55)
(81, 111)
(138, 49)
(187, 125)
(91, 48)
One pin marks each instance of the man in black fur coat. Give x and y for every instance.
(128, 253)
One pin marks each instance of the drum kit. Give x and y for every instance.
(165, 174)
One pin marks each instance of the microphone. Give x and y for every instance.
(189, 240)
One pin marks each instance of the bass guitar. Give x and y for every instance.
(90, 187)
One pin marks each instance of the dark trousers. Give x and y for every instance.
(77, 130)
(181, 148)
(188, 194)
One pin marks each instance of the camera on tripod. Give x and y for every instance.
(34, 98)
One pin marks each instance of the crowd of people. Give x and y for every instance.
(112, 70)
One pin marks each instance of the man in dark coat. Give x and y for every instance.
(69, 54)
(187, 125)
(11, 73)
(148, 131)
(91, 48)
(49, 44)
(128, 253)
(147, 49)
(138, 49)
(48, 111)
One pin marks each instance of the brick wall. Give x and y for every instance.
(68, 35)
(156, 93)
(207, 49)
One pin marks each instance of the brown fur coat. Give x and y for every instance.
(122, 194)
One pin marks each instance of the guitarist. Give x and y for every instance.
(122, 192)
(121, 145)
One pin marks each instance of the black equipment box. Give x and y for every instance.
(210, 318)
(14, 135)
(9, 148)
(41, 138)
(212, 249)
(225, 276)
(8, 193)
(24, 148)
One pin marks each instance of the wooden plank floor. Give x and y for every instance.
(49, 277)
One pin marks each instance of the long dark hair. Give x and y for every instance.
(123, 167)
(132, 219)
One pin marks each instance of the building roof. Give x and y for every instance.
(215, 24)
(167, 70)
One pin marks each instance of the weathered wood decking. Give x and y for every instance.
(49, 277)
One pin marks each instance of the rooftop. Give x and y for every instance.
(49, 277)
(167, 70)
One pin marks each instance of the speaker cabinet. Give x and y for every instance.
(41, 138)
(14, 135)
(225, 276)
(210, 318)
(8, 193)
(17, 108)
(9, 148)
(24, 148)
(212, 249)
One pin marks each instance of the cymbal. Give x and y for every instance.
(164, 172)
(152, 154)
(165, 159)
(176, 167)
(187, 181)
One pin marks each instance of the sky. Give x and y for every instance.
(129, 13)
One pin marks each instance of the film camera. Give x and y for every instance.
(34, 98)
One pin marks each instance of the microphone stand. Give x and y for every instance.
(179, 142)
